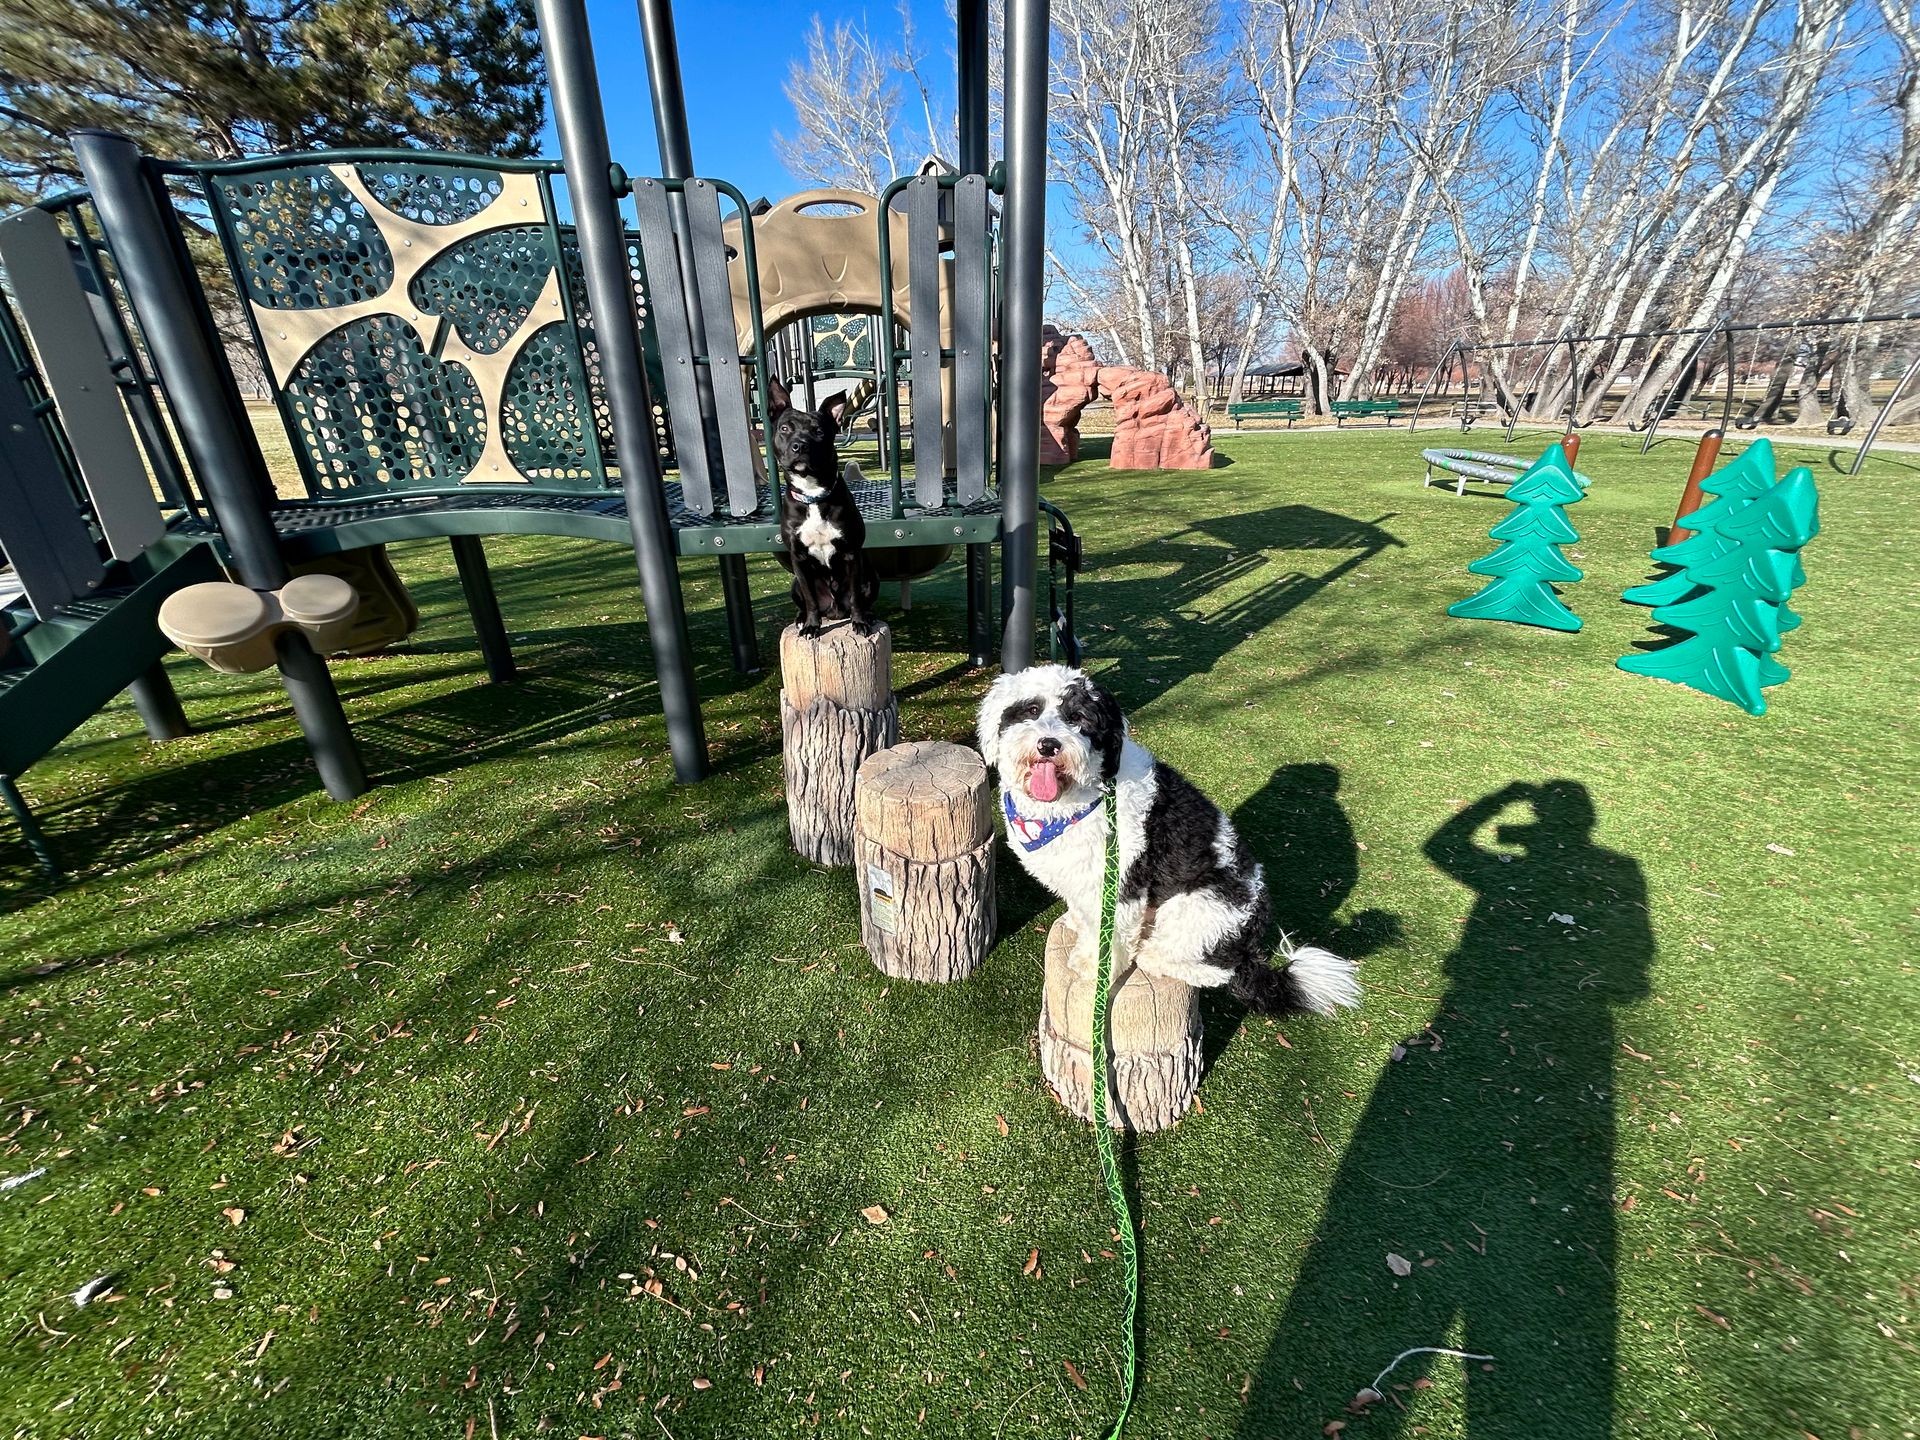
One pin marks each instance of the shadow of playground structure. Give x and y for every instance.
(1485, 1156)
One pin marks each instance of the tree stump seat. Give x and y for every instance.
(1155, 1031)
(924, 847)
(836, 709)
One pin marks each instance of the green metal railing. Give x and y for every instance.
(891, 354)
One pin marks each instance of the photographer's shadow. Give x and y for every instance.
(1484, 1157)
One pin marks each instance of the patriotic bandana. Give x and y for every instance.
(1032, 834)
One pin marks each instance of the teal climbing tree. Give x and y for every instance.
(1524, 570)
(1736, 606)
(1736, 485)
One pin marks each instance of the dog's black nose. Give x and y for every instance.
(1048, 747)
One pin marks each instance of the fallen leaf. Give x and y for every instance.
(1399, 1264)
(876, 1214)
(1079, 1380)
(1715, 1317)
(235, 1213)
(1778, 849)
(700, 1382)
(1001, 1122)
(1032, 1267)
(1333, 1427)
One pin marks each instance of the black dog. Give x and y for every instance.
(819, 521)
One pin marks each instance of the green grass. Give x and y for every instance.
(482, 1054)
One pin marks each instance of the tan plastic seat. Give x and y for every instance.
(233, 628)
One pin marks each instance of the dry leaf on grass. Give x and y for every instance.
(1079, 1380)
(235, 1213)
(1399, 1264)
(876, 1214)
(1032, 1267)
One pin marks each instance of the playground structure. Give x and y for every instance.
(463, 346)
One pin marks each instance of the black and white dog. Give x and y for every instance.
(1192, 902)
(819, 520)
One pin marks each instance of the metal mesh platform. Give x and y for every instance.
(347, 525)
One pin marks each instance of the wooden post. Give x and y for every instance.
(836, 709)
(1692, 498)
(925, 849)
(1154, 1025)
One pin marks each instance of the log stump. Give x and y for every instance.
(1155, 1028)
(925, 846)
(836, 709)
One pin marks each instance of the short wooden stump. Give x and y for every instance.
(924, 856)
(836, 709)
(1155, 1029)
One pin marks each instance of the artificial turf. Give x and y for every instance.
(533, 1094)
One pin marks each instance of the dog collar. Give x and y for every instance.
(1032, 834)
(798, 496)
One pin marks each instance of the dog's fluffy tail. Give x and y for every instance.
(1312, 979)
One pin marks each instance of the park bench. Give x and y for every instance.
(1345, 410)
(1288, 410)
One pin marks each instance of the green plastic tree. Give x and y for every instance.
(1737, 616)
(1528, 563)
(1737, 484)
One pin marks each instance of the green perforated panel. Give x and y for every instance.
(413, 325)
(373, 411)
(442, 195)
(303, 241)
(842, 342)
(486, 285)
(546, 432)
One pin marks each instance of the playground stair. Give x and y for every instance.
(78, 658)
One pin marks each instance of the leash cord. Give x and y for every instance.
(1100, 1059)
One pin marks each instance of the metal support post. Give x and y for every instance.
(148, 251)
(581, 121)
(1023, 249)
(676, 163)
(476, 582)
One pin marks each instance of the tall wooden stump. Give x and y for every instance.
(1155, 1029)
(836, 709)
(925, 850)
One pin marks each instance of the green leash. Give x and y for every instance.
(1102, 1136)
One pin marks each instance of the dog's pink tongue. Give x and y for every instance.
(1043, 781)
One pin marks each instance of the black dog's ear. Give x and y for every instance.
(779, 399)
(1097, 715)
(831, 412)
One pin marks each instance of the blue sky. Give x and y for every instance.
(733, 61)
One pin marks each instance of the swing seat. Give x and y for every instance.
(1840, 425)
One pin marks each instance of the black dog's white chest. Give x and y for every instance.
(817, 534)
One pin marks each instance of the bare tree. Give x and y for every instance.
(852, 115)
